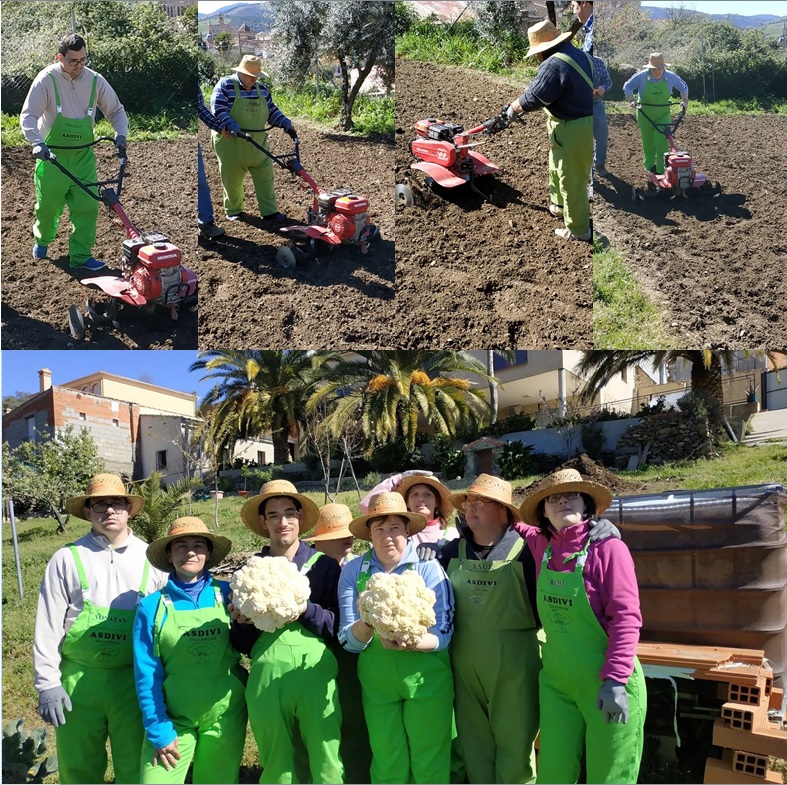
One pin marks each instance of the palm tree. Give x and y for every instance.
(258, 391)
(506, 354)
(162, 504)
(387, 392)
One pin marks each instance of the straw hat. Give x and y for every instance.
(187, 527)
(443, 494)
(104, 485)
(564, 481)
(656, 60)
(386, 504)
(543, 36)
(488, 487)
(249, 512)
(332, 524)
(251, 65)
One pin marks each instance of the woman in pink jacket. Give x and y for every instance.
(592, 689)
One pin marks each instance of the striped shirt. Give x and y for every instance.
(205, 114)
(224, 95)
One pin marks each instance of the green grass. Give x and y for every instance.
(725, 108)
(623, 316)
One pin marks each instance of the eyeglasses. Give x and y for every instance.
(121, 504)
(81, 61)
(570, 495)
(477, 504)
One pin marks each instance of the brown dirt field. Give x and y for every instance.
(159, 193)
(715, 265)
(470, 273)
(338, 300)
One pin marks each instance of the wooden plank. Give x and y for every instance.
(762, 741)
(719, 771)
(682, 655)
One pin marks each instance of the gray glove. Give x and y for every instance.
(613, 701)
(50, 706)
(41, 151)
(427, 551)
(120, 143)
(601, 530)
(633, 104)
(510, 112)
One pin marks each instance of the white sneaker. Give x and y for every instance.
(565, 234)
(556, 210)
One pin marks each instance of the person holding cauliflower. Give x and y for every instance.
(189, 679)
(396, 612)
(285, 601)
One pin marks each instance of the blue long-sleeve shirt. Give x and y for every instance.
(637, 84)
(587, 29)
(148, 669)
(434, 577)
(225, 93)
(558, 86)
(204, 114)
(601, 77)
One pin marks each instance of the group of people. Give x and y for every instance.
(536, 625)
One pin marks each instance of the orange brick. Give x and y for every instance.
(764, 741)
(719, 771)
(741, 716)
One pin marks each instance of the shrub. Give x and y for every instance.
(593, 439)
(396, 457)
(693, 406)
(512, 424)
(370, 480)
(22, 754)
(659, 407)
(449, 460)
(515, 460)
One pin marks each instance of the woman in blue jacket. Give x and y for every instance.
(189, 680)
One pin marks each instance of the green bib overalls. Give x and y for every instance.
(654, 143)
(97, 672)
(203, 691)
(573, 656)
(54, 190)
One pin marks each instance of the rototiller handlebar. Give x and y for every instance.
(668, 129)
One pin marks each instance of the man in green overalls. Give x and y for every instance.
(242, 103)
(82, 647)
(563, 88)
(59, 113)
(654, 86)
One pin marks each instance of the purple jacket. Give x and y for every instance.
(611, 586)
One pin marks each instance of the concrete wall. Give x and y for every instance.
(15, 425)
(248, 450)
(549, 442)
(162, 432)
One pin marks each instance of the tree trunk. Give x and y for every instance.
(350, 94)
(493, 397)
(706, 383)
(281, 451)
(62, 520)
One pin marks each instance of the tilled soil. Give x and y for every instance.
(159, 193)
(338, 300)
(715, 265)
(471, 273)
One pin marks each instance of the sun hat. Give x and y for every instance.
(543, 36)
(251, 65)
(332, 524)
(564, 481)
(443, 494)
(382, 504)
(489, 487)
(187, 527)
(104, 485)
(249, 512)
(656, 60)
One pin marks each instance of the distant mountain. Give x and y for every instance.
(739, 20)
(259, 16)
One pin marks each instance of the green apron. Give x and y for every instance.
(292, 683)
(573, 657)
(407, 700)
(654, 143)
(570, 160)
(203, 693)
(496, 662)
(97, 672)
(237, 156)
(54, 190)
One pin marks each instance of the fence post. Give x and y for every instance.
(16, 549)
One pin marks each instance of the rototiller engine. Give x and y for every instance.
(152, 272)
(680, 177)
(337, 217)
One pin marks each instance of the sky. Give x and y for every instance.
(748, 8)
(212, 7)
(19, 371)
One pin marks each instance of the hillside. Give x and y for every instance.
(258, 16)
(739, 20)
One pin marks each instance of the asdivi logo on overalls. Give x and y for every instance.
(72, 137)
(559, 600)
(201, 650)
(202, 633)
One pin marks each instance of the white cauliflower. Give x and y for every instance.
(270, 591)
(398, 607)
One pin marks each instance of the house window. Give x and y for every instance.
(31, 427)
(82, 416)
(261, 458)
(161, 460)
(624, 375)
(116, 423)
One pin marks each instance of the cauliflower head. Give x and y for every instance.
(398, 607)
(270, 591)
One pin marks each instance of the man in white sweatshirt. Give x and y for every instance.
(59, 112)
(82, 649)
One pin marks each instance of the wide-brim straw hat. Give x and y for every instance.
(487, 486)
(249, 512)
(443, 494)
(104, 485)
(251, 65)
(382, 504)
(333, 523)
(564, 481)
(543, 36)
(656, 60)
(187, 527)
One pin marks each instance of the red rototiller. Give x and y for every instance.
(151, 269)
(337, 217)
(680, 177)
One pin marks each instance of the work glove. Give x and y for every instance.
(601, 530)
(291, 132)
(633, 103)
(50, 706)
(511, 114)
(120, 143)
(685, 104)
(232, 127)
(41, 151)
(613, 701)
(426, 551)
